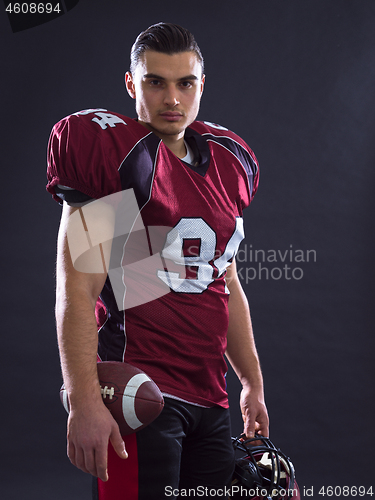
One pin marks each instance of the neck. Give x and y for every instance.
(177, 146)
(174, 142)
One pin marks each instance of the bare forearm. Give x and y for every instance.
(77, 339)
(242, 354)
(76, 296)
(241, 350)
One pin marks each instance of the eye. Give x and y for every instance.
(186, 84)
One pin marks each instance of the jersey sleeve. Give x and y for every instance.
(248, 179)
(81, 158)
(250, 165)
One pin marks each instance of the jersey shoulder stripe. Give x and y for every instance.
(236, 145)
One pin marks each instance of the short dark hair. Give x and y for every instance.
(164, 37)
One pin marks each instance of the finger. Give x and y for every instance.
(263, 428)
(71, 452)
(249, 426)
(80, 460)
(101, 470)
(262, 423)
(118, 443)
(76, 456)
(89, 465)
(90, 462)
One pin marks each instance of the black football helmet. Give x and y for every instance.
(263, 471)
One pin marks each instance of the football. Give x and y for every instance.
(130, 395)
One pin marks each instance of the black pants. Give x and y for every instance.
(186, 452)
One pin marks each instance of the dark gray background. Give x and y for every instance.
(294, 78)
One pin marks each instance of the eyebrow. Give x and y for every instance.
(158, 77)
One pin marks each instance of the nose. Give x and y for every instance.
(171, 97)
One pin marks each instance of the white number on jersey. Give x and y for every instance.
(102, 117)
(198, 229)
(107, 119)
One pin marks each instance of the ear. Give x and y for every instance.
(129, 83)
(202, 83)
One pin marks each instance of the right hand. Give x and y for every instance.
(89, 432)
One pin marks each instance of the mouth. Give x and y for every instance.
(171, 116)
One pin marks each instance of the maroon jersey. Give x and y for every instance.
(179, 338)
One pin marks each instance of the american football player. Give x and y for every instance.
(191, 181)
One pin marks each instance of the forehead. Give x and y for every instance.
(169, 66)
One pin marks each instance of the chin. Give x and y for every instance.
(170, 129)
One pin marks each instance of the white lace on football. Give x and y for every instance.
(105, 391)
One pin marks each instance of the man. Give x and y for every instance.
(193, 179)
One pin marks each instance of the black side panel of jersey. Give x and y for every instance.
(137, 170)
(112, 338)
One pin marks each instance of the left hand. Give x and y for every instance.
(254, 413)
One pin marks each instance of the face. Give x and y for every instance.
(167, 89)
